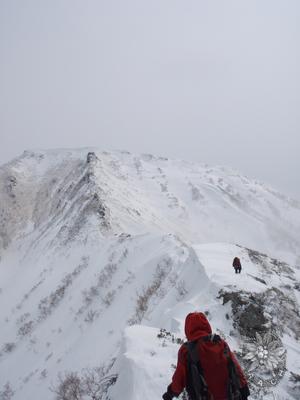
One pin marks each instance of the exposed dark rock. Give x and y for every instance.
(294, 385)
(297, 286)
(269, 264)
(255, 256)
(248, 312)
(258, 279)
(295, 378)
(258, 312)
(252, 320)
(4, 240)
(11, 183)
(12, 180)
(91, 157)
(95, 205)
(283, 310)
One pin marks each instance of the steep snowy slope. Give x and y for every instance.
(263, 299)
(70, 311)
(55, 193)
(93, 242)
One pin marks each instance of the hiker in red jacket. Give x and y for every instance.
(237, 265)
(223, 376)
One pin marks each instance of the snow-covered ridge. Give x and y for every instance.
(99, 251)
(54, 194)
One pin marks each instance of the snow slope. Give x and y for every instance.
(76, 310)
(55, 193)
(99, 251)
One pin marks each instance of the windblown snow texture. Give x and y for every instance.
(102, 255)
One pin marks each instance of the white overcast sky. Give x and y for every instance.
(203, 80)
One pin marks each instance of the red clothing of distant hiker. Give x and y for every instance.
(236, 262)
(215, 374)
(237, 265)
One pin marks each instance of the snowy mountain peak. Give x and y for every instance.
(56, 193)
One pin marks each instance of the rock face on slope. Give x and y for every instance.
(93, 242)
(261, 320)
(54, 194)
(50, 197)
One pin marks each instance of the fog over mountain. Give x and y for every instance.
(215, 82)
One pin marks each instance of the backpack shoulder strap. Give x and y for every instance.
(234, 382)
(199, 386)
(192, 351)
(214, 338)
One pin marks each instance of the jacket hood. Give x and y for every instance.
(196, 325)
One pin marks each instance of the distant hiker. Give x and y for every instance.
(237, 265)
(206, 367)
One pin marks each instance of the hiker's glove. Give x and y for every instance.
(244, 392)
(169, 394)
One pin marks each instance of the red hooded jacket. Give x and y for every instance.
(211, 357)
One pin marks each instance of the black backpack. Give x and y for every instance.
(196, 385)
